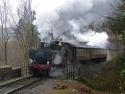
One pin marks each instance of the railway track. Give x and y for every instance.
(18, 84)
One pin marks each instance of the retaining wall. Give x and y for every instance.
(7, 72)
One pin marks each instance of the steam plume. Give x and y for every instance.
(68, 21)
(57, 59)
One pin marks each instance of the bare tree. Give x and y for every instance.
(4, 22)
(26, 32)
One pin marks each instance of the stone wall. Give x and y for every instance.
(7, 72)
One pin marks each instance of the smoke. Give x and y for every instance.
(58, 59)
(89, 36)
(56, 71)
(94, 38)
(69, 20)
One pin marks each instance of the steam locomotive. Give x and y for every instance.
(44, 58)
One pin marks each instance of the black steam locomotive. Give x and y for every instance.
(43, 58)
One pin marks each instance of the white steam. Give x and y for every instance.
(93, 38)
(56, 71)
(58, 59)
(68, 18)
(89, 36)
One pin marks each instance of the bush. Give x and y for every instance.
(108, 79)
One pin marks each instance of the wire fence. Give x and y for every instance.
(71, 71)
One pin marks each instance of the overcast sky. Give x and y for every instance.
(46, 10)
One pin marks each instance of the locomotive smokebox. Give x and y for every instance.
(41, 56)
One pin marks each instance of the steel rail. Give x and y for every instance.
(13, 81)
(18, 84)
(20, 87)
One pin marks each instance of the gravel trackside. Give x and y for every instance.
(53, 86)
(42, 87)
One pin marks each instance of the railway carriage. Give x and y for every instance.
(84, 53)
(88, 53)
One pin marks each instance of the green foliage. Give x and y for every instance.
(122, 81)
(120, 71)
(65, 91)
(117, 27)
(108, 79)
(122, 74)
(116, 24)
